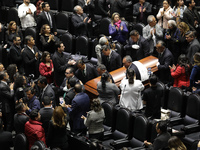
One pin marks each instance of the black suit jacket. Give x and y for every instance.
(19, 122)
(120, 7)
(140, 53)
(165, 61)
(42, 19)
(91, 73)
(89, 9)
(6, 97)
(113, 63)
(65, 80)
(48, 92)
(102, 8)
(79, 26)
(31, 65)
(189, 18)
(60, 62)
(69, 95)
(16, 57)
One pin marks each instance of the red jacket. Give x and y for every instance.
(180, 77)
(46, 71)
(34, 132)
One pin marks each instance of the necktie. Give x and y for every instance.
(141, 14)
(49, 19)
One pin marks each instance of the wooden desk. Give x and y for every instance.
(118, 75)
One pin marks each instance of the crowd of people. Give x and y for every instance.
(42, 91)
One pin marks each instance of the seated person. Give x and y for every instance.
(118, 29)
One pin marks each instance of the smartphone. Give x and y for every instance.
(61, 100)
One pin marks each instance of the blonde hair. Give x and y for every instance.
(184, 26)
(112, 18)
(59, 117)
(175, 143)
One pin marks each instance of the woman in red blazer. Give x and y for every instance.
(46, 67)
(181, 72)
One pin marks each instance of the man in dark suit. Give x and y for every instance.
(46, 113)
(161, 141)
(101, 69)
(31, 57)
(111, 59)
(69, 94)
(193, 46)
(128, 64)
(16, 54)
(165, 59)
(88, 7)
(191, 16)
(6, 140)
(85, 72)
(6, 100)
(46, 17)
(141, 10)
(80, 105)
(81, 22)
(61, 62)
(137, 47)
(46, 90)
(20, 118)
(102, 8)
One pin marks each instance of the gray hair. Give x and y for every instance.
(128, 58)
(101, 67)
(103, 40)
(150, 18)
(162, 43)
(28, 38)
(172, 23)
(76, 8)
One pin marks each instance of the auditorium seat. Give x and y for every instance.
(68, 5)
(13, 16)
(62, 23)
(161, 86)
(104, 25)
(68, 41)
(82, 45)
(40, 144)
(53, 5)
(20, 142)
(138, 26)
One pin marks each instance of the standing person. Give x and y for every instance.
(152, 98)
(46, 67)
(107, 91)
(165, 14)
(47, 39)
(181, 72)
(141, 10)
(175, 143)
(26, 14)
(57, 133)
(94, 120)
(131, 92)
(88, 7)
(13, 30)
(46, 17)
(118, 29)
(178, 10)
(6, 99)
(33, 129)
(31, 57)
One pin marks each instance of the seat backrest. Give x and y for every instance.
(82, 45)
(62, 21)
(13, 16)
(139, 27)
(21, 142)
(68, 5)
(67, 40)
(40, 144)
(119, 48)
(110, 115)
(192, 110)
(140, 129)
(53, 4)
(161, 86)
(30, 31)
(175, 101)
(104, 26)
(123, 128)
(8, 3)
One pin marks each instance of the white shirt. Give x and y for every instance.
(27, 20)
(131, 95)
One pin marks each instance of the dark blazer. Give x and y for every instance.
(189, 18)
(16, 57)
(192, 48)
(42, 19)
(46, 115)
(114, 61)
(134, 67)
(136, 12)
(69, 95)
(65, 80)
(31, 65)
(161, 141)
(163, 69)
(102, 8)
(6, 140)
(91, 73)
(19, 122)
(80, 105)
(140, 53)
(48, 92)
(60, 62)
(89, 9)
(80, 27)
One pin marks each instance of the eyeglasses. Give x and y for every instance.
(67, 73)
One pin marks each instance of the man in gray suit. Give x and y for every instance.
(193, 45)
(152, 33)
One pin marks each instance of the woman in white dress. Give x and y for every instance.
(131, 92)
